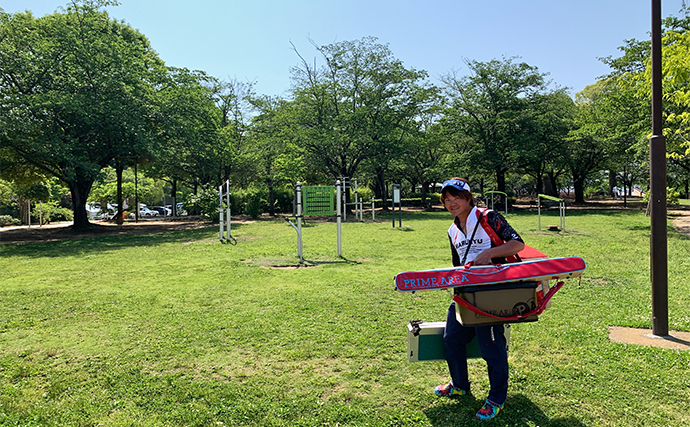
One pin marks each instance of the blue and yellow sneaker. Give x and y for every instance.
(489, 410)
(448, 390)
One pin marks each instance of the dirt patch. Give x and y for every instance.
(64, 231)
(287, 267)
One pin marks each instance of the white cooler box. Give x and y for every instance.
(425, 342)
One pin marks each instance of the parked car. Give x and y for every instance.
(93, 210)
(96, 211)
(144, 212)
(179, 208)
(162, 210)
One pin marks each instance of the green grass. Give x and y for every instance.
(181, 330)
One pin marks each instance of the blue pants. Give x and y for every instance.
(492, 344)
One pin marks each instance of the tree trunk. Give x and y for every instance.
(554, 183)
(271, 200)
(612, 182)
(80, 191)
(174, 197)
(540, 184)
(501, 180)
(381, 188)
(425, 187)
(24, 211)
(579, 186)
(120, 208)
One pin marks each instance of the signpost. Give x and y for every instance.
(396, 199)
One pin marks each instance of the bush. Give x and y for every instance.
(365, 193)
(672, 196)
(284, 200)
(250, 201)
(8, 220)
(205, 204)
(51, 212)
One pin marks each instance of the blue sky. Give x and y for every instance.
(249, 40)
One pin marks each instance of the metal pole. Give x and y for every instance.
(357, 213)
(393, 204)
(220, 210)
(136, 194)
(539, 211)
(227, 188)
(339, 206)
(400, 213)
(373, 207)
(299, 220)
(657, 197)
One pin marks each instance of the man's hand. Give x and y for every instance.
(507, 249)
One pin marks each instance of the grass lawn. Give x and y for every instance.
(180, 330)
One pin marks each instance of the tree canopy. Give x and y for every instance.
(76, 89)
(82, 91)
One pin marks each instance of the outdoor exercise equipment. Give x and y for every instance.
(318, 200)
(561, 208)
(299, 240)
(227, 210)
(347, 185)
(395, 190)
(505, 199)
(338, 214)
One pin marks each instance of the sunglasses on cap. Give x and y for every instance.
(457, 184)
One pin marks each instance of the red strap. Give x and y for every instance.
(538, 310)
(495, 239)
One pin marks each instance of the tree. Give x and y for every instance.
(188, 144)
(489, 105)
(356, 107)
(424, 151)
(631, 74)
(542, 146)
(588, 151)
(278, 159)
(75, 89)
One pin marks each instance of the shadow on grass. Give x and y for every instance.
(99, 244)
(519, 411)
(342, 261)
(436, 215)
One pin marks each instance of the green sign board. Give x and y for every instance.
(317, 200)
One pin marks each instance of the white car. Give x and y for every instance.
(144, 212)
(93, 210)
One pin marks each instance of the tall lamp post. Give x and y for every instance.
(657, 197)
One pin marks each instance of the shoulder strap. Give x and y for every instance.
(485, 225)
(537, 310)
(495, 239)
(467, 251)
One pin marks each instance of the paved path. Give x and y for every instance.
(675, 339)
(682, 223)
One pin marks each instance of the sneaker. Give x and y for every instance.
(448, 390)
(489, 410)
